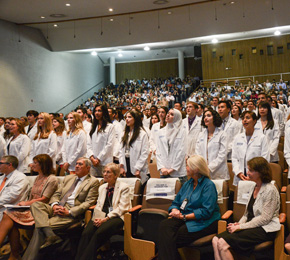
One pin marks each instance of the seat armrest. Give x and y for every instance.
(134, 209)
(282, 218)
(286, 171)
(92, 207)
(222, 226)
(227, 215)
(283, 189)
(88, 216)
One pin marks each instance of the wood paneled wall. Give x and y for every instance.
(250, 63)
(158, 68)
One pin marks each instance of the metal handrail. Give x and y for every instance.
(244, 77)
(79, 96)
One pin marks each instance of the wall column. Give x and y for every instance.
(112, 70)
(181, 64)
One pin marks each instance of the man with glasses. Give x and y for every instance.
(13, 184)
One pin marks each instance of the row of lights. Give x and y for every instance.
(94, 53)
(215, 40)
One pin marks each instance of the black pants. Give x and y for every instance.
(173, 234)
(94, 237)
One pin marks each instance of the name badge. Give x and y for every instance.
(183, 205)
(110, 209)
(239, 143)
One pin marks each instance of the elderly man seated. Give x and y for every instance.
(13, 184)
(76, 194)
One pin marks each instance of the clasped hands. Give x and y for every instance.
(232, 227)
(175, 213)
(60, 211)
(99, 221)
(166, 172)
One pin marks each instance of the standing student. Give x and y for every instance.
(44, 141)
(247, 145)
(171, 147)
(229, 125)
(19, 145)
(100, 140)
(270, 128)
(134, 149)
(75, 143)
(212, 145)
(192, 124)
(87, 126)
(31, 129)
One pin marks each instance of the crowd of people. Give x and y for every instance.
(191, 133)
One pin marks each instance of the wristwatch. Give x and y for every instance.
(184, 218)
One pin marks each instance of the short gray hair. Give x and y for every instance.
(11, 159)
(86, 160)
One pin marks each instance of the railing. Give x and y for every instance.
(276, 76)
(61, 109)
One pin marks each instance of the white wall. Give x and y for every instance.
(33, 77)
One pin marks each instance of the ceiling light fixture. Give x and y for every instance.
(111, 10)
(67, 4)
(214, 40)
(55, 25)
(277, 33)
(160, 2)
(57, 15)
(42, 17)
(146, 48)
(111, 20)
(232, 2)
(169, 13)
(120, 55)
(94, 53)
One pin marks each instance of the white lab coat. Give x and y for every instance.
(87, 126)
(100, 145)
(231, 129)
(242, 151)
(44, 146)
(214, 152)
(32, 132)
(118, 130)
(139, 152)
(74, 147)
(287, 146)
(273, 136)
(3, 150)
(20, 148)
(15, 189)
(60, 141)
(192, 134)
(175, 157)
(278, 116)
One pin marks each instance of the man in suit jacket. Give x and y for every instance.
(13, 184)
(68, 204)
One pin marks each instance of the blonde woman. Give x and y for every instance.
(44, 141)
(75, 144)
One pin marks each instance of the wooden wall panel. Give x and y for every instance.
(159, 68)
(250, 64)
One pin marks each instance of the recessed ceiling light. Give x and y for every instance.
(277, 33)
(232, 2)
(169, 12)
(214, 40)
(111, 20)
(146, 48)
(67, 4)
(120, 55)
(111, 10)
(42, 17)
(55, 25)
(94, 53)
(160, 2)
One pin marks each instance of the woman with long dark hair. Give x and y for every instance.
(100, 140)
(270, 129)
(134, 150)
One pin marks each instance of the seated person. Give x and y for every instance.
(44, 186)
(13, 184)
(194, 212)
(68, 204)
(107, 220)
(260, 221)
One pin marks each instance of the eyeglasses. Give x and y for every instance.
(4, 163)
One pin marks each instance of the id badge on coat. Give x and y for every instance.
(183, 204)
(110, 209)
